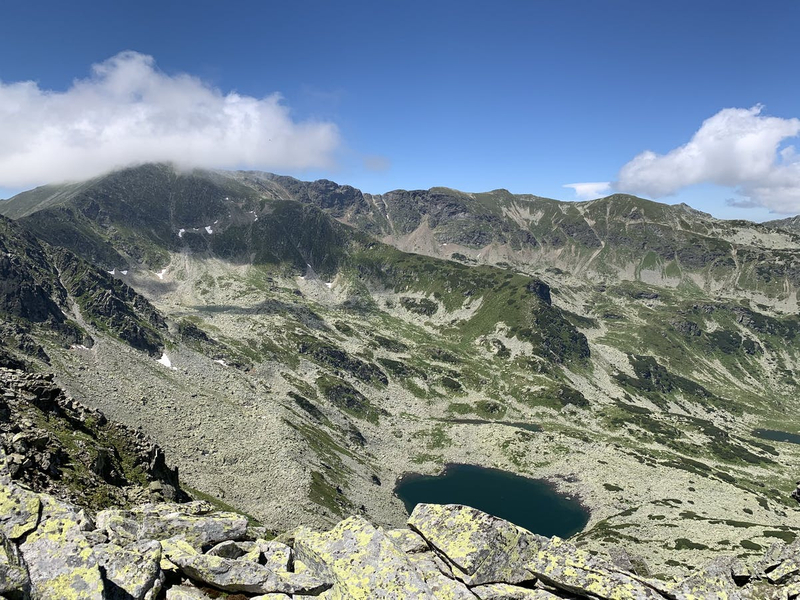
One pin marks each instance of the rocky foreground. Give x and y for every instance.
(50, 549)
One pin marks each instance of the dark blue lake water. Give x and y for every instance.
(777, 436)
(529, 503)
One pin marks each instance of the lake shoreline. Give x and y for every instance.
(487, 488)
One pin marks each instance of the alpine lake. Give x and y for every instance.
(529, 503)
(777, 436)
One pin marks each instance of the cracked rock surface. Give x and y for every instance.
(53, 549)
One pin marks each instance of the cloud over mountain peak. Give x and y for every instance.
(127, 112)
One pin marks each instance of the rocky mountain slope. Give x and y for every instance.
(790, 224)
(143, 211)
(44, 288)
(626, 350)
(53, 443)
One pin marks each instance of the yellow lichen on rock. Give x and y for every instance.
(505, 591)
(482, 548)
(562, 565)
(61, 563)
(19, 511)
(362, 561)
(135, 569)
(83, 583)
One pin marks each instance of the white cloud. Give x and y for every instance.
(738, 148)
(129, 112)
(590, 189)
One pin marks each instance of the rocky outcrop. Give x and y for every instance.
(39, 284)
(360, 561)
(478, 547)
(51, 549)
(55, 444)
(110, 304)
(29, 286)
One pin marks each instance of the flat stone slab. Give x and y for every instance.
(482, 548)
(561, 565)
(362, 561)
(191, 521)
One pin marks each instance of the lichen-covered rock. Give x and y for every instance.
(505, 591)
(200, 529)
(771, 559)
(13, 574)
(185, 592)
(119, 525)
(443, 586)
(56, 555)
(61, 563)
(781, 564)
(195, 508)
(277, 556)
(240, 575)
(786, 572)
(234, 550)
(715, 580)
(561, 565)
(482, 548)
(196, 522)
(408, 541)
(362, 561)
(326, 595)
(764, 590)
(792, 590)
(133, 571)
(19, 511)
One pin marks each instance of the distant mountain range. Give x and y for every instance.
(298, 346)
(132, 216)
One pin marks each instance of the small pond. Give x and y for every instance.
(529, 503)
(777, 436)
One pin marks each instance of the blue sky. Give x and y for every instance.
(527, 96)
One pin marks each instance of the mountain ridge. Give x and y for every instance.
(617, 236)
(303, 350)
